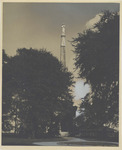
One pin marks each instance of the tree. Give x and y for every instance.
(97, 58)
(40, 90)
(6, 95)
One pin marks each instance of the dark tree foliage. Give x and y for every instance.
(97, 57)
(39, 92)
(6, 96)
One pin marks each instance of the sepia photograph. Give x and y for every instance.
(60, 74)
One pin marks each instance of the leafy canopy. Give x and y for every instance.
(97, 58)
(39, 91)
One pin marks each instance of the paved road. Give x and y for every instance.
(72, 141)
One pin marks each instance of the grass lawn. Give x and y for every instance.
(26, 141)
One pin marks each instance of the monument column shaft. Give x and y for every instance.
(62, 46)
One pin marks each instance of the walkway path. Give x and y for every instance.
(72, 141)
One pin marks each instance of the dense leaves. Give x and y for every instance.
(6, 96)
(39, 92)
(97, 57)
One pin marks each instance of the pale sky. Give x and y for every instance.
(38, 25)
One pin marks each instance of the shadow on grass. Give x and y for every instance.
(27, 142)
